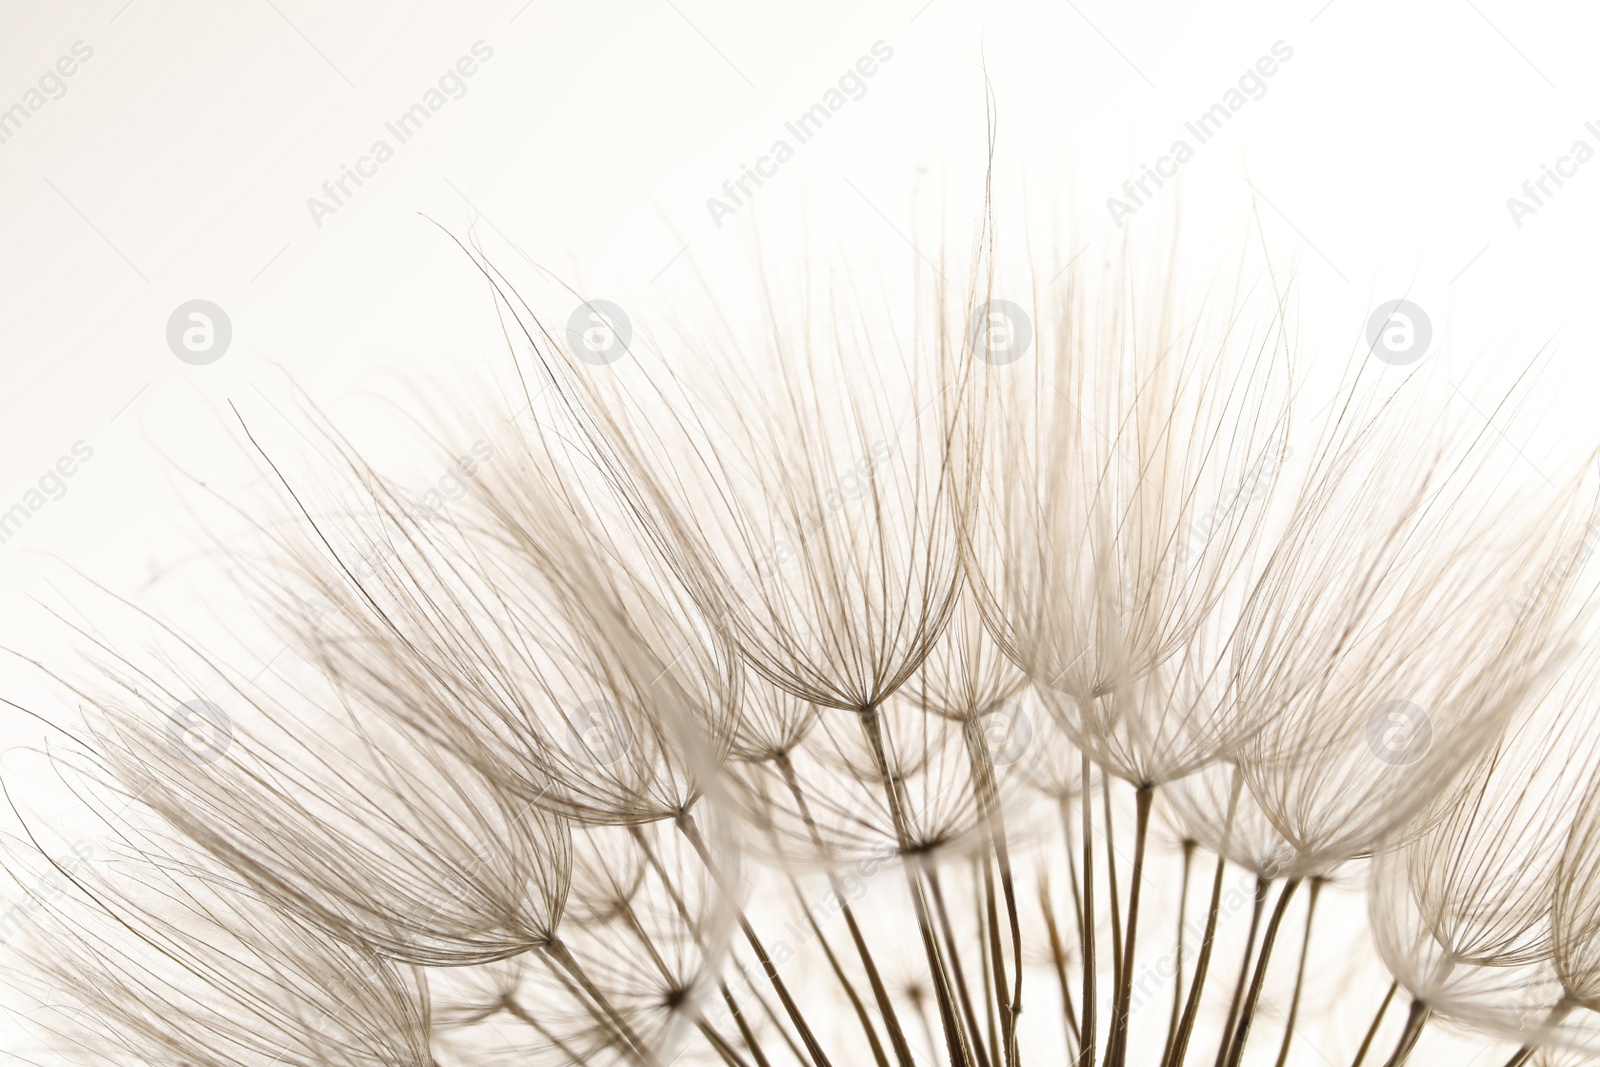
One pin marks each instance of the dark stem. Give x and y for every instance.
(1058, 956)
(1118, 1053)
(960, 1054)
(745, 1033)
(1416, 1019)
(954, 953)
(1256, 911)
(1299, 975)
(687, 827)
(1259, 980)
(989, 800)
(514, 1009)
(844, 981)
(1377, 1020)
(557, 951)
(1177, 977)
(772, 1015)
(1197, 984)
(994, 967)
(1116, 907)
(720, 1046)
(880, 993)
(1086, 1036)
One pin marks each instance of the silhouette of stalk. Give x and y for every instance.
(849, 988)
(1180, 1047)
(1300, 974)
(686, 825)
(1268, 939)
(1086, 1037)
(1118, 1053)
(1377, 1021)
(1177, 974)
(880, 993)
(960, 1052)
(1257, 909)
(1058, 956)
(962, 990)
(1416, 1019)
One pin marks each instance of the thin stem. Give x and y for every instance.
(1258, 908)
(772, 1016)
(1267, 940)
(849, 988)
(687, 827)
(960, 1054)
(745, 1033)
(1177, 976)
(557, 951)
(1116, 906)
(1416, 1019)
(880, 993)
(1299, 975)
(989, 800)
(1072, 871)
(1118, 1053)
(1058, 956)
(962, 989)
(682, 907)
(994, 966)
(515, 1009)
(721, 1047)
(1377, 1020)
(1086, 1036)
(1180, 1047)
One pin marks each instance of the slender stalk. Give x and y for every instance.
(1086, 1035)
(721, 1047)
(772, 1016)
(1180, 1047)
(1118, 1053)
(557, 950)
(1072, 872)
(1416, 1019)
(1377, 1020)
(1058, 956)
(515, 1009)
(960, 1054)
(994, 964)
(1116, 906)
(849, 988)
(989, 802)
(745, 1033)
(1257, 909)
(1299, 975)
(880, 992)
(686, 826)
(1268, 938)
(954, 953)
(1177, 976)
